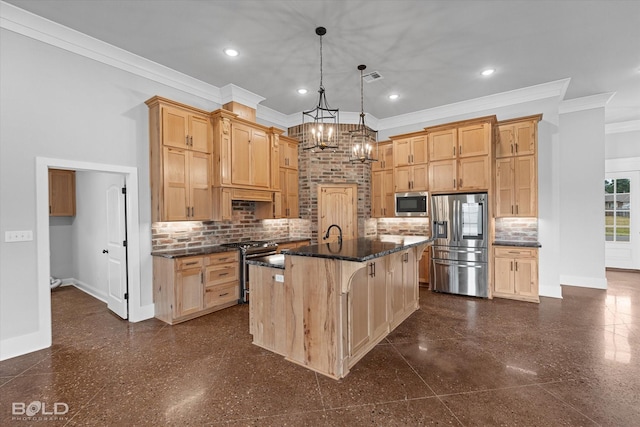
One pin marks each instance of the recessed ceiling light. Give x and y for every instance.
(488, 72)
(231, 52)
(394, 96)
(302, 91)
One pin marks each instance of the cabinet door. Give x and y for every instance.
(504, 187)
(377, 197)
(474, 140)
(175, 127)
(292, 194)
(189, 292)
(473, 173)
(200, 198)
(442, 144)
(419, 150)
(525, 138)
(176, 184)
(442, 176)
(240, 154)
(525, 185)
(259, 167)
(503, 276)
(505, 141)
(359, 303)
(388, 194)
(410, 278)
(396, 289)
(62, 192)
(526, 277)
(200, 133)
(420, 177)
(402, 152)
(385, 157)
(402, 179)
(378, 293)
(292, 155)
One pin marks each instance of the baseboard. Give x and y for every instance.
(96, 293)
(550, 291)
(23, 344)
(584, 282)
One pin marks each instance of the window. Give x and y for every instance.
(617, 202)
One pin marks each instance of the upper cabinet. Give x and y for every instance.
(459, 156)
(516, 192)
(180, 162)
(250, 156)
(382, 182)
(410, 162)
(385, 157)
(62, 192)
(289, 177)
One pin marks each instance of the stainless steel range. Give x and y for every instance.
(248, 250)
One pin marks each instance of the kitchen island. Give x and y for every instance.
(326, 306)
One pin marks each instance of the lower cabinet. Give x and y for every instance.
(516, 273)
(188, 287)
(267, 321)
(403, 289)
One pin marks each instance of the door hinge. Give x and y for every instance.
(126, 295)
(124, 190)
(124, 243)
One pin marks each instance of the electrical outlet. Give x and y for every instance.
(18, 236)
(279, 278)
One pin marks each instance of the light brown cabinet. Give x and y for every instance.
(180, 162)
(410, 163)
(516, 273)
(403, 288)
(516, 183)
(188, 287)
(250, 156)
(459, 156)
(385, 157)
(382, 186)
(62, 192)
(267, 320)
(289, 177)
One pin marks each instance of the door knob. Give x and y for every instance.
(104, 251)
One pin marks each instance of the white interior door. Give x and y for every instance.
(117, 251)
(622, 217)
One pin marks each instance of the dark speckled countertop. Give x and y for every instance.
(206, 250)
(360, 249)
(521, 244)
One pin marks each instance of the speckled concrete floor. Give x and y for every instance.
(458, 361)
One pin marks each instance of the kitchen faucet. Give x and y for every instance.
(326, 236)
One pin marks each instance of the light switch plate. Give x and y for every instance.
(18, 236)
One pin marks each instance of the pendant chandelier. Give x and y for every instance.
(363, 141)
(321, 123)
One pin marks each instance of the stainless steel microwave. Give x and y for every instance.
(412, 204)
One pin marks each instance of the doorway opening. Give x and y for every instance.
(131, 269)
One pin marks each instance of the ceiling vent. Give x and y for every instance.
(372, 77)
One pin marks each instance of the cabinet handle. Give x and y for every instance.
(460, 151)
(372, 269)
(511, 148)
(460, 182)
(49, 208)
(224, 274)
(511, 266)
(516, 209)
(201, 277)
(191, 263)
(187, 211)
(186, 140)
(511, 208)
(405, 257)
(454, 151)
(454, 183)
(516, 148)
(226, 293)
(516, 265)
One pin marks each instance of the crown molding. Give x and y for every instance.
(585, 103)
(554, 89)
(235, 93)
(622, 127)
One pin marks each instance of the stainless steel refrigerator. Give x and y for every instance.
(460, 249)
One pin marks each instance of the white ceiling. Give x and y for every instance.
(429, 52)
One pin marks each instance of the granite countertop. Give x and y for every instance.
(522, 244)
(273, 261)
(360, 249)
(200, 250)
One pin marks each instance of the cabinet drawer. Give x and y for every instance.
(221, 294)
(188, 262)
(505, 252)
(233, 256)
(216, 274)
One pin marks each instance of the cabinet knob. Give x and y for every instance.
(105, 251)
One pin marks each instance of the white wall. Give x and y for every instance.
(622, 145)
(582, 248)
(61, 246)
(57, 104)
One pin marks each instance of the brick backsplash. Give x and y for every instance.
(244, 226)
(517, 229)
(403, 226)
